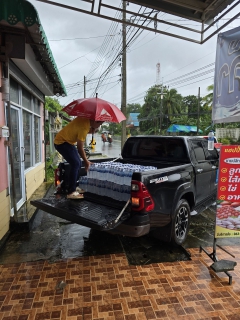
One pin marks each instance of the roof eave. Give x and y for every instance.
(21, 16)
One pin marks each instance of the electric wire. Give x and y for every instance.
(191, 78)
(113, 65)
(127, 44)
(204, 67)
(70, 39)
(115, 60)
(128, 34)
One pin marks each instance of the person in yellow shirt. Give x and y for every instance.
(64, 142)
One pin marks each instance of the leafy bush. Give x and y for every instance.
(50, 167)
(225, 141)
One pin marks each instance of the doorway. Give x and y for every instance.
(18, 158)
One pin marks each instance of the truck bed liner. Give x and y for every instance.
(83, 212)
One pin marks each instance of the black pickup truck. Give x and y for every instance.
(160, 201)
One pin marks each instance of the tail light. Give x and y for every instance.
(57, 177)
(140, 197)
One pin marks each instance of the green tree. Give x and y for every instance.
(208, 99)
(172, 102)
(150, 111)
(114, 128)
(158, 101)
(133, 108)
(190, 106)
(52, 104)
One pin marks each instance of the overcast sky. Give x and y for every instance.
(82, 45)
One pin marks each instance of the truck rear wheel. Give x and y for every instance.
(180, 222)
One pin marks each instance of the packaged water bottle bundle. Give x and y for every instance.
(111, 179)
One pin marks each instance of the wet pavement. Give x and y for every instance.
(60, 270)
(54, 239)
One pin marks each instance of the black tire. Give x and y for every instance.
(180, 222)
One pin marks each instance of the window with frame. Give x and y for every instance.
(198, 150)
(37, 138)
(14, 91)
(27, 129)
(36, 105)
(26, 99)
(211, 155)
(31, 123)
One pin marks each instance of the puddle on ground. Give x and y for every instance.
(156, 251)
(54, 239)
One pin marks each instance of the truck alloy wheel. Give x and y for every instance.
(181, 221)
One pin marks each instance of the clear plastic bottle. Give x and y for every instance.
(86, 183)
(211, 140)
(81, 182)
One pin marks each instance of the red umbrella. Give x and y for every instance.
(95, 109)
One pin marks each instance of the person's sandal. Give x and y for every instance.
(79, 190)
(75, 195)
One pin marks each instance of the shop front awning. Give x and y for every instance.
(20, 17)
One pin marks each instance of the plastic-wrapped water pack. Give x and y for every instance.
(111, 179)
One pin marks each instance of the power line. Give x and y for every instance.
(194, 82)
(204, 67)
(105, 73)
(78, 58)
(70, 39)
(188, 64)
(191, 78)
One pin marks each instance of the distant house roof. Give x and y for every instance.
(182, 128)
(132, 120)
(20, 16)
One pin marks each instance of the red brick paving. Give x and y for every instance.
(107, 288)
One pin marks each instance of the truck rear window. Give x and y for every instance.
(157, 148)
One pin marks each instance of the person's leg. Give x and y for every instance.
(70, 154)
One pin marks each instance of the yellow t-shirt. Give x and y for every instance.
(75, 130)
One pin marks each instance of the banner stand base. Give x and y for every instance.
(220, 265)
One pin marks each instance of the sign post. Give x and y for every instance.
(228, 205)
(228, 196)
(226, 109)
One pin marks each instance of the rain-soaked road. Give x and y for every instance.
(109, 149)
(53, 239)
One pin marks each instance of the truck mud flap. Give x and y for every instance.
(83, 212)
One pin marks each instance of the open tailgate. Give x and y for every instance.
(84, 212)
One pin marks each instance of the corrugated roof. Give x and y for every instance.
(21, 15)
(182, 128)
(205, 13)
(198, 10)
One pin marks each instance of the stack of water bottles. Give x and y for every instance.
(111, 179)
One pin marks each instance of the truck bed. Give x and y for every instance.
(160, 164)
(88, 212)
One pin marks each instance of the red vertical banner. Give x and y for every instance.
(228, 196)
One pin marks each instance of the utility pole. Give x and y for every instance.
(161, 109)
(84, 86)
(124, 75)
(198, 110)
(160, 115)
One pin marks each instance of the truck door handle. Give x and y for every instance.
(199, 170)
(214, 167)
